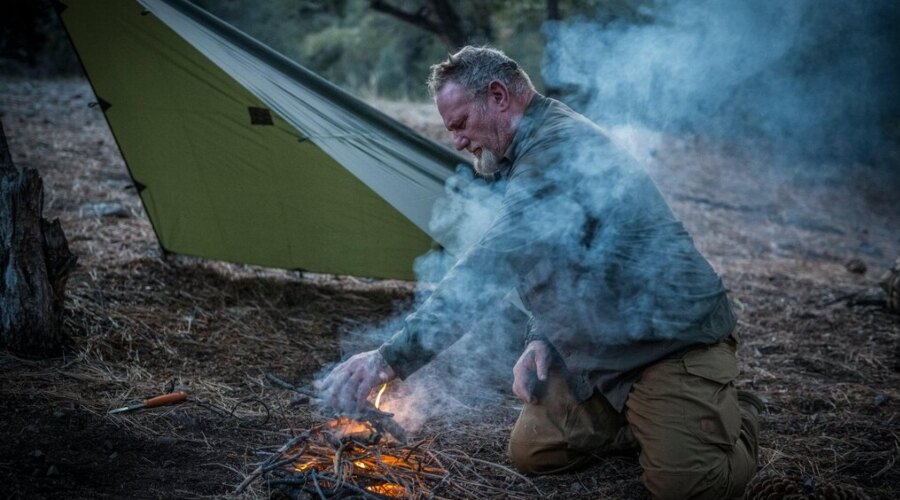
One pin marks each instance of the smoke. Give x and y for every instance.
(468, 208)
(808, 78)
(477, 370)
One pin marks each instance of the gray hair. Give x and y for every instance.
(475, 67)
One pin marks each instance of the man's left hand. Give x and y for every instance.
(532, 367)
(346, 389)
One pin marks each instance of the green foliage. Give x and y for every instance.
(372, 53)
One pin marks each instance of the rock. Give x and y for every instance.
(104, 209)
(52, 471)
(856, 266)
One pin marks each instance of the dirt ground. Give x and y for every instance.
(817, 346)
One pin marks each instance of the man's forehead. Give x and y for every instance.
(451, 100)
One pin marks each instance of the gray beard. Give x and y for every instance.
(487, 164)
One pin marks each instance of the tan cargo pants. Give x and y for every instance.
(695, 441)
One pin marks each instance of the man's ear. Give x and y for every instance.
(498, 94)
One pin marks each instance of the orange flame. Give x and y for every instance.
(388, 489)
(344, 426)
(378, 397)
(307, 465)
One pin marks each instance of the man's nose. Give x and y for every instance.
(460, 142)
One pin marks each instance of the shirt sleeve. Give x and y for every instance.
(482, 278)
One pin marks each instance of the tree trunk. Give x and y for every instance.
(553, 10)
(447, 26)
(34, 261)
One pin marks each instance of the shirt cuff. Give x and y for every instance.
(398, 355)
(532, 332)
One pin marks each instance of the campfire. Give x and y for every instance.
(368, 457)
(363, 456)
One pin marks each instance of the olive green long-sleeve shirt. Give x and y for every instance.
(611, 278)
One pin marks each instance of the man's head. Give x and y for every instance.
(481, 94)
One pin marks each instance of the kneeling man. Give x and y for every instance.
(631, 341)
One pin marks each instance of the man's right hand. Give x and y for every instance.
(346, 389)
(533, 365)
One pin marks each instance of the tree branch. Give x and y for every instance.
(447, 27)
(418, 19)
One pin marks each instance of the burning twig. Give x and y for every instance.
(384, 423)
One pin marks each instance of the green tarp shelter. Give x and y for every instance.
(239, 154)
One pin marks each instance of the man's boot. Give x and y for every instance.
(751, 406)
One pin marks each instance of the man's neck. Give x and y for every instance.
(519, 105)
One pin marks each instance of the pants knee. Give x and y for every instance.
(537, 459)
(726, 481)
(683, 485)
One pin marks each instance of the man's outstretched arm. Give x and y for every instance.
(479, 281)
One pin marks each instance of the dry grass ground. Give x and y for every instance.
(141, 323)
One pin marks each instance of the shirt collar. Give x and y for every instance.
(527, 127)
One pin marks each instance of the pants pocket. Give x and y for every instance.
(714, 417)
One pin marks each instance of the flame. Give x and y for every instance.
(388, 489)
(378, 397)
(346, 426)
(306, 466)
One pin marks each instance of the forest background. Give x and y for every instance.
(810, 80)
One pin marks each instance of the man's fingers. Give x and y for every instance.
(519, 390)
(362, 394)
(541, 363)
(346, 397)
(336, 377)
(346, 389)
(523, 374)
(343, 391)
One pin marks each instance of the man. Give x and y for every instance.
(631, 339)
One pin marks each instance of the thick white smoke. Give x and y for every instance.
(816, 78)
(809, 78)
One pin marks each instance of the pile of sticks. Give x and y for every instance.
(323, 464)
(317, 464)
(367, 456)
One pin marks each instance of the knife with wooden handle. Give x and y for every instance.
(165, 399)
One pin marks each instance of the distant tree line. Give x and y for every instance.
(384, 47)
(32, 40)
(371, 47)
(667, 64)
